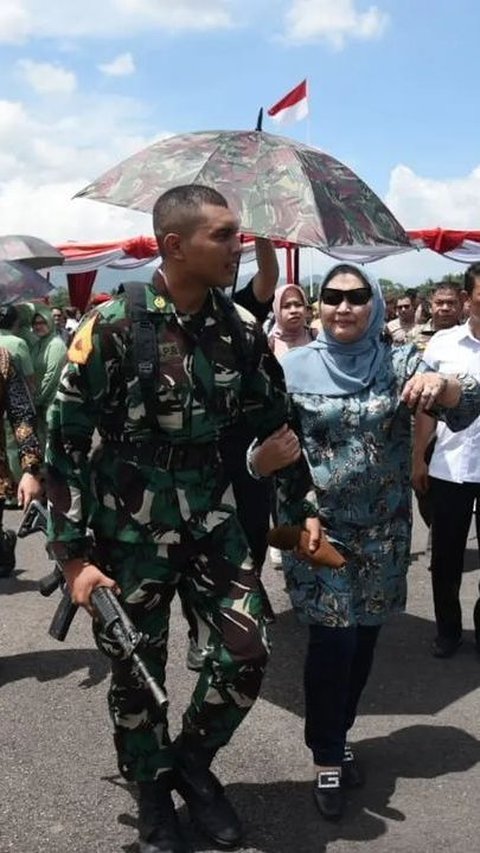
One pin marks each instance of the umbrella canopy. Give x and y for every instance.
(19, 282)
(36, 253)
(279, 188)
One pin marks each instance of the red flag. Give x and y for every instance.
(293, 107)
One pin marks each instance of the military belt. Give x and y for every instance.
(167, 456)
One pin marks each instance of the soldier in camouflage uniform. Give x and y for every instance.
(157, 498)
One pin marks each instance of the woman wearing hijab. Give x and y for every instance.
(49, 355)
(288, 331)
(290, 327)
(352, 394)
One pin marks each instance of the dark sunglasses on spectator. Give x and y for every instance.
(334, 296)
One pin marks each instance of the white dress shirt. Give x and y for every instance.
(456, 457)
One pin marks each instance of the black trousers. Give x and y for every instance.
(452, 510)
(337, 667)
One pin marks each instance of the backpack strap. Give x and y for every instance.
(144, 343)
(145, 349)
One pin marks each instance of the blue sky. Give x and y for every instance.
(393, 93)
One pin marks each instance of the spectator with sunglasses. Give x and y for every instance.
(352, 393)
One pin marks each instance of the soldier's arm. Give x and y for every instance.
(71, 423)
(265, 280)
(264, 401)
(268, 408)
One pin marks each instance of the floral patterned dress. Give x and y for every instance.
(16, 402)
(358, 449)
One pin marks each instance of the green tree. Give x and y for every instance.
(59, 298)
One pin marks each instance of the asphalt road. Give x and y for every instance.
(416, 735)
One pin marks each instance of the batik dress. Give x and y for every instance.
(358, 448)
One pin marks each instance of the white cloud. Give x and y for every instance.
(420, 202)
(122, 66)
(110, 18)
(48, 211)
(45, 160)
(15, 22)
(334, 21)
(46, 78)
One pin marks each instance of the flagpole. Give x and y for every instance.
(309, 142)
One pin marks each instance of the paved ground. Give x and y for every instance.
(417, 735)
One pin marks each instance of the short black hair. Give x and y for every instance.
(8, 316)
(407, 294)
(446, 284)
(471, 273)
(345, 269)
(177, 209)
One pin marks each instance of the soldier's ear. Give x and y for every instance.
(172, 246)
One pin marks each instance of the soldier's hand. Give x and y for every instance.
(82, 578)
(279, 450)
(29, 489)
(314, 528)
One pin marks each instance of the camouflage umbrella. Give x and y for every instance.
(278, 187)
(19, 282)
(36, 253)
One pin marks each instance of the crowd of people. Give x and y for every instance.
(211, 429)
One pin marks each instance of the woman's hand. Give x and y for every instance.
(423, 390)
(420, 480)
(82, 578)
(278, 451)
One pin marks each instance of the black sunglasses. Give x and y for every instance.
(334, 296)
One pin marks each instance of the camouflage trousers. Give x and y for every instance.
(221, 589)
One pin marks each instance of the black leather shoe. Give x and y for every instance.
(328, 794)
(445, 647)
(205, 798)
(159, 830)
(352, 773)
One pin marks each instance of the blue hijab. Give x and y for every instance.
(336, 369)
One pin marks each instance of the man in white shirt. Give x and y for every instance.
(453, 477)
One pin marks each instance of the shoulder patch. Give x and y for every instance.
(82, 343)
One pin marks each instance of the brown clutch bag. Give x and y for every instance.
(287, 537)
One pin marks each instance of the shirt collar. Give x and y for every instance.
(159, 301)
(466, 332)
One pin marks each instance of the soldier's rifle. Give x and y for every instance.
(115, 623)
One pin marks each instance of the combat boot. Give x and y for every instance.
(158, 825)
(203, 794)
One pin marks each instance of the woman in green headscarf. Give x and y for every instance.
(48, 355)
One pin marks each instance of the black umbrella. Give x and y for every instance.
(19, 282)
(36, 253)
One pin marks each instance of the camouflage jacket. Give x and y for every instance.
(201, 390)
